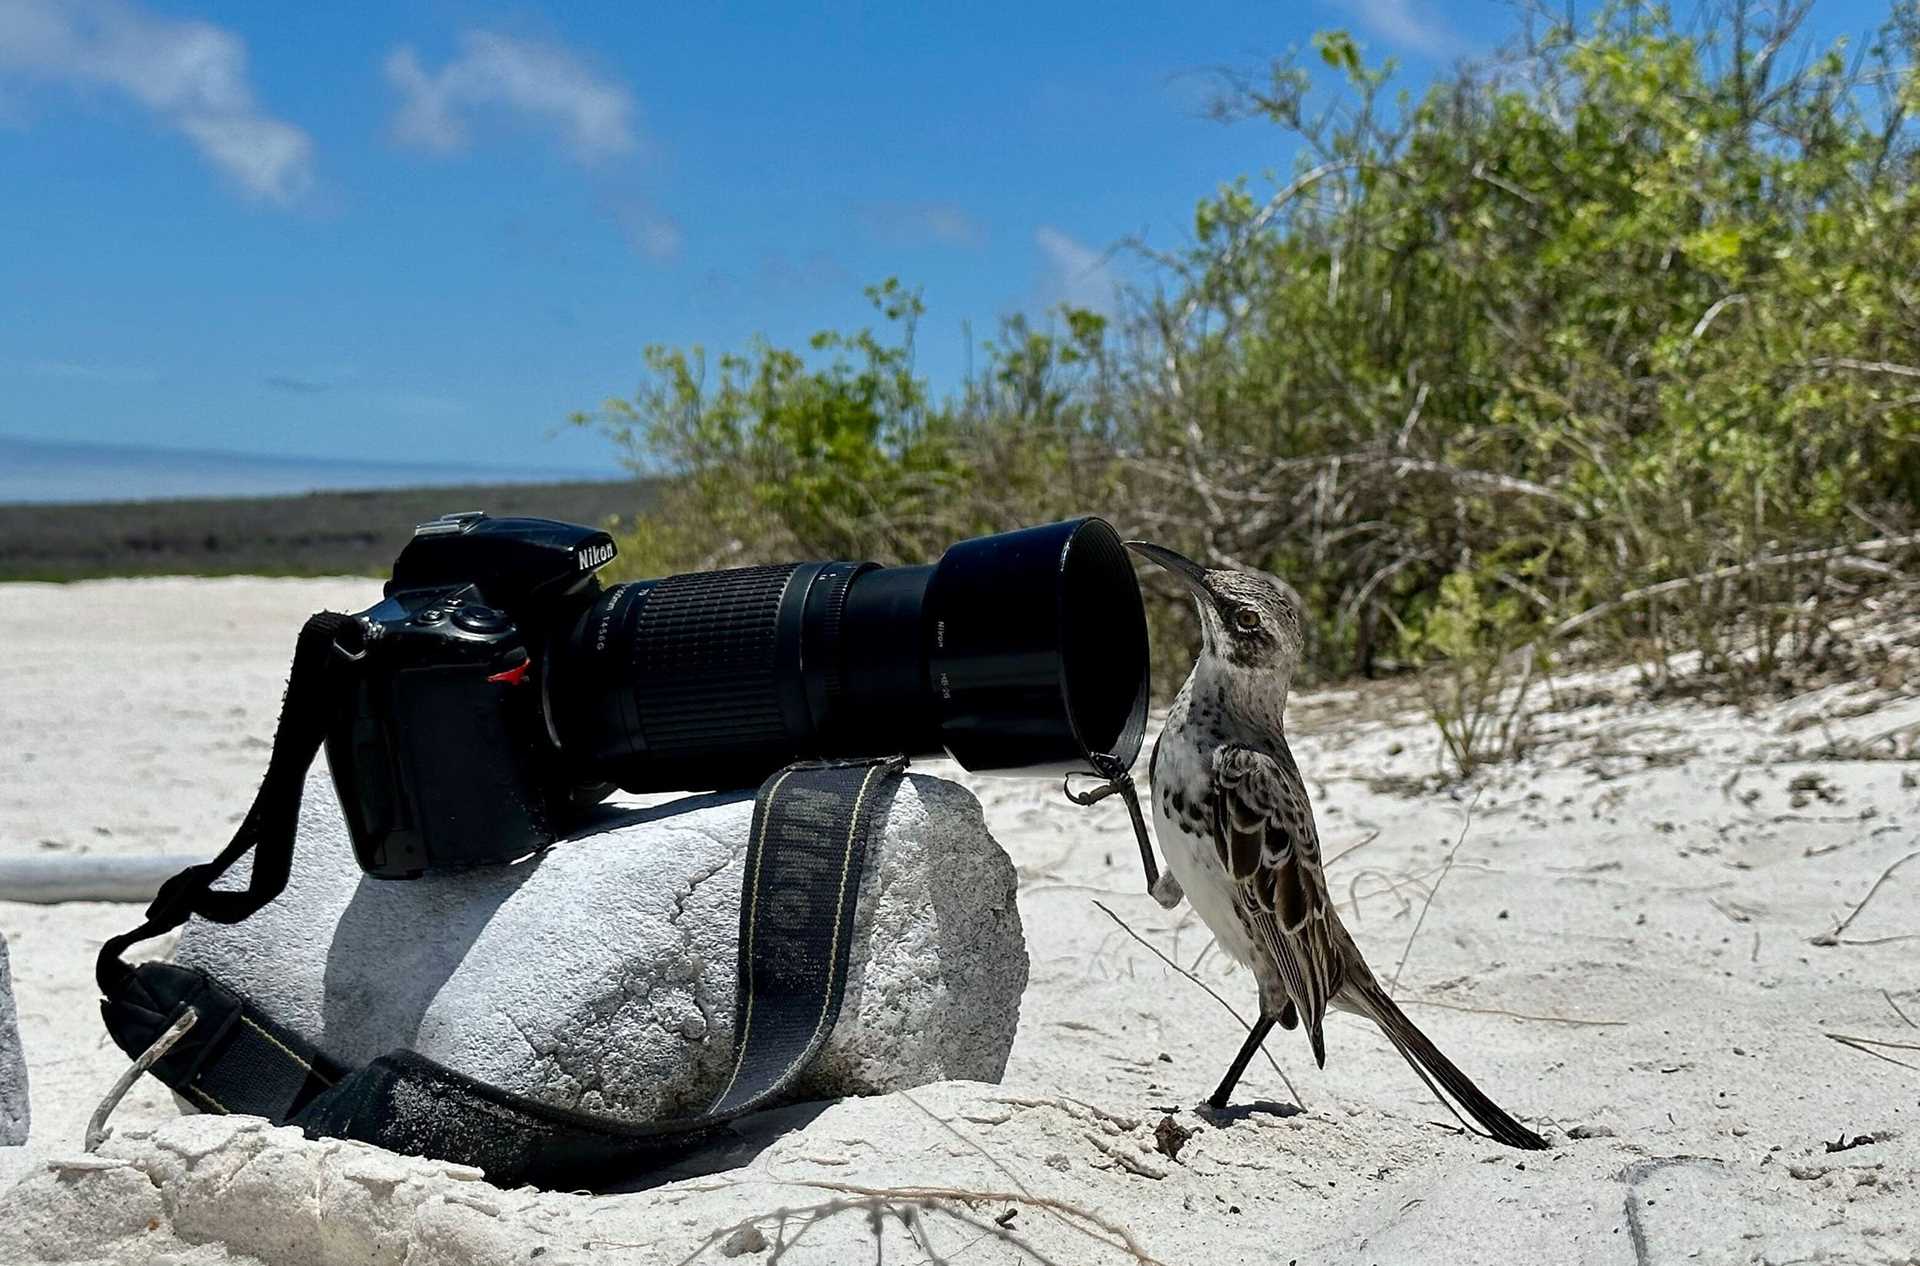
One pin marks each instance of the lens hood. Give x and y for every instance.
(1038, 649)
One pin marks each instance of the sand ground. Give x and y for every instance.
(1629, 950)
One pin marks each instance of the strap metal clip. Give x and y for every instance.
(97, 1123)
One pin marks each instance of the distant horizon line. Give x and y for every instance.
(42, 471)
(104, 448)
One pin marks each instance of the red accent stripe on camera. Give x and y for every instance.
(513, 676)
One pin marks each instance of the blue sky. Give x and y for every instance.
(426, 231)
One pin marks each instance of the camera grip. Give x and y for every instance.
(432, 768)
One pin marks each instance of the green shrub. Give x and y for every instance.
(1617, 335)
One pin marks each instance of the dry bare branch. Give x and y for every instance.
(1731, 570)
(1839, 929)
(1466, 824)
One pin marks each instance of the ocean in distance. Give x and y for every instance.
(37, 471)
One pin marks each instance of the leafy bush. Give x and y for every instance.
(845, 457)
(1617, 335)
(1599, 316)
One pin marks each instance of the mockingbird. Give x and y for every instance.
(1232, 817)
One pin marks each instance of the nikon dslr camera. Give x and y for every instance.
(502, 691)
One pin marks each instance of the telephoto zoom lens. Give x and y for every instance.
(1024, 652)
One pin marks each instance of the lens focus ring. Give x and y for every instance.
(705, 663)
(830, 592)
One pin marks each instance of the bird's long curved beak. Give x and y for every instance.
(1193, 573)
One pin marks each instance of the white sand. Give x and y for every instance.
(1646, 870)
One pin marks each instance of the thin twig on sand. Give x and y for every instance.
(1836, 936)
(1865, 1044)
(1883, 735)
(1874, 940)
(954, 1130)
(1734, 914)
(1516, 1015)
(989, 1157)
(1351, 848)
(1132, 1162)
(906, 1203)
(1897, 1011)
(1154, 950)
(1073, 1108)
(1465, 826)
(1121, 1237)
(1392, 889)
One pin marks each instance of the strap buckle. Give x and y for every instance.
(354, 631)
(97, 1123)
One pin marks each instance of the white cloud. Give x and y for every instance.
(191, 75)
(656, 237)
(648, 230)
(540, 81)
(83, 371)
(1408, 24)
(1076, 273)
(814, 271)
(418, 404)
(912, 223)
(294, 385)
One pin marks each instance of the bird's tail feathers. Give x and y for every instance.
(1420, 1052)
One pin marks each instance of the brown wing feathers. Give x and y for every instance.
(1264, 831)
(1240, 832)
(1266, 842)
(1264, 834)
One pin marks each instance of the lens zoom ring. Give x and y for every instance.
(833, 670)
(704, 662)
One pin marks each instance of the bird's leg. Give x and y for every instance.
(1255, 1036)
(1163, 888)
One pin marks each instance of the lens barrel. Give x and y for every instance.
(1025, 651)
(1039, 653)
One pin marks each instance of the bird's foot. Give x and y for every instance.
(1224, 1115)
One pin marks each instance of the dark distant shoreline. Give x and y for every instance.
(36, 471)
(309, 534)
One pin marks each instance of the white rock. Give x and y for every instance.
(601, 975)
(13, 1063)
(237, 1192)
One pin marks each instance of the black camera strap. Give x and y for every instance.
(267, 830)
(225, 1052)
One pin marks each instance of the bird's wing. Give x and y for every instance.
(1263, 829)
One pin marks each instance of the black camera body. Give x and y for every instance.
(501, 690)
(441, 751)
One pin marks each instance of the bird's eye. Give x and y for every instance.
(1247, 618)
